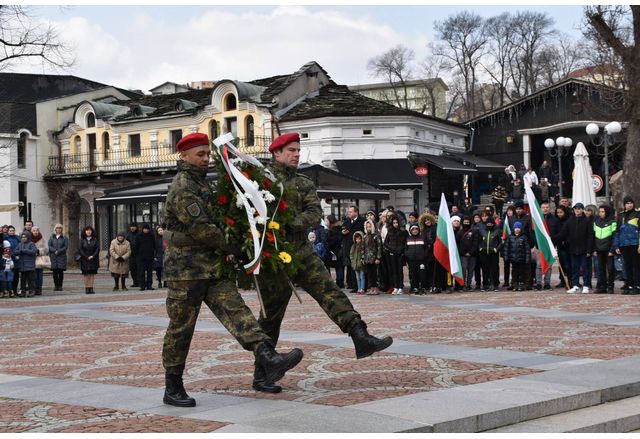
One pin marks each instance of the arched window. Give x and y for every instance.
(230, 102)
(105, 146)
(213, 130)
(22, 150)
(91, 120)
(248, 130)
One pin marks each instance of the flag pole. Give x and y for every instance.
(564, 276)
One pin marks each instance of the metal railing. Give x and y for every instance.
(128, 159)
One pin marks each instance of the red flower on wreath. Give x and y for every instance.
(246, 174)
(282, 206)
(229, 221)
(266, 254)
(267, 183)
(270, 237)
(222, 200)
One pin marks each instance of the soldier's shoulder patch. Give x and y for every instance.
(194, 210)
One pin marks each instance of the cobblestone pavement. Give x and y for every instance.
(115, 338)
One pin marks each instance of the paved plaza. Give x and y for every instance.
(461, 362)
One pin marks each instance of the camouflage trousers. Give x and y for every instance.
(183, 306)
(315, 280)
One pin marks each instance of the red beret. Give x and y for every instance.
(192, 140)
(283, 141)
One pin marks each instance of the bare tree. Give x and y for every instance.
(501, 51)
(619, 28)
(532, 29)
(21, 39)
(395, 66)
(433, 67)
(463, 44)
(559, 58)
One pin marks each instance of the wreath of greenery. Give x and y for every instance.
(277, 253)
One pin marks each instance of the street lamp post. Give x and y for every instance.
(611, 130)
(563, 144)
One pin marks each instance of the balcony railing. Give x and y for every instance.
(127, 159)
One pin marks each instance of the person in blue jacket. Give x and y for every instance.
(626, 244)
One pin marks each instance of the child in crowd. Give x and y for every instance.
(6, 272)
(26, 262)
(518, 254)
(415, 252)
(318, 246)
(356, 256)
(372, 256)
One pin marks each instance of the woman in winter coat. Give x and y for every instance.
(26, 252)
(158, 259)
(43, 250)
(564, 258)
(89, 249)
(58, 245)
(145, 246)
(393, 250)
(334, 247)
(436, 275)
(372, 256)
(119, 254)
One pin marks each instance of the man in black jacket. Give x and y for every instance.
(469, 241)
(578, 233)
(133, 259)
(353, 223)
(145, 244)
(552, 227)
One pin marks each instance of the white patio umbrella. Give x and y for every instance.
(582, 186)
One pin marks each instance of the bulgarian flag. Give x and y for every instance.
(506, 230)
(445, 248)
(548, 253)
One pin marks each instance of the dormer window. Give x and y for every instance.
(230, 102)
(367, 132)
(91, 120)
(179, 106)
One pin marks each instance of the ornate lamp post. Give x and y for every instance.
(611, 130)
(563, 144)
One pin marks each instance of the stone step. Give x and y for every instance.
(613, 417)
(495, 404)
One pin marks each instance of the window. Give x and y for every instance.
(230, 102)
(231, 126)
(213, 130)
(435, 137)
(105, 146)
(91, 120)
(304, 136)
(248, 126)
(22, 150)
(367, 132)
(22, 196)
(75, 152)
(175, 136)
(134, 145)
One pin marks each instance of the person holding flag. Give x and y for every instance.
(445, 248)
(551, 227)
(506, 232)
(546, 253)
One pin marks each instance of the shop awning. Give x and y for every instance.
(339, 186)
(480, 163)
(386, 173)
(446, 163)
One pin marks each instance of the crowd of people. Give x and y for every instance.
(27, 255)
(593, 245)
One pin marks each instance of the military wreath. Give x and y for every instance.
(246, 189)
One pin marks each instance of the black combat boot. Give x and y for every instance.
(273, 364)
(365, 343)
(260, 383)
(174, 393)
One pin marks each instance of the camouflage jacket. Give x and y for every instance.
(300, 193)
(195, 246)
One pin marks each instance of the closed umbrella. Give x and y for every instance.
(582, 185)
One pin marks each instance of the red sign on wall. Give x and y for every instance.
(421, 171)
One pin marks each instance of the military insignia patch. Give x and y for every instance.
(193, 209)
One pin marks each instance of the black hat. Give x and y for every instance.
(519, 203)
(134, 224)
(146, 226)
(578, 206)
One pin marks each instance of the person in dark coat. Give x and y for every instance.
(58, 245)
(626, 243)
(158, 258)
(564, 258)
(468, 238)
(490, 247)
(89, 249)
(543, 280)
(578, 233)
(604, 228)
(392, 253)
(415, 252)
(525, 220)
(434, 272)
(334, 249)
(131, 236)
(145, 250)
(26, 252)
(14, 240)
(518, 252)
(353, 223)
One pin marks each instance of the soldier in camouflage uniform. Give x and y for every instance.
(196, 250)
(300, 193)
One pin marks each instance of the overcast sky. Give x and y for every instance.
(144, 46)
